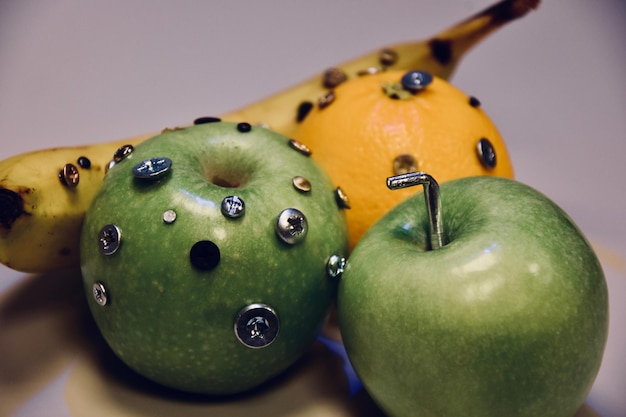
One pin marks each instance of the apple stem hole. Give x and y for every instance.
(432, 198)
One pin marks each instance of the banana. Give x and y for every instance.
(44, 194)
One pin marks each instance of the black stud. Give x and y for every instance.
(486, 153)
(84, 162)
(474, 102)
(303, 110)
(205, 120)
(244, 127)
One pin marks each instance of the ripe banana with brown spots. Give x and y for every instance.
(44, 194)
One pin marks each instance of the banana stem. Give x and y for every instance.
(432, 197)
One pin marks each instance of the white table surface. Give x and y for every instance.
(77, 72)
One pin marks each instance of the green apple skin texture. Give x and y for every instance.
(510, 318)
(173, 323)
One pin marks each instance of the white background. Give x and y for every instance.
(77, 72)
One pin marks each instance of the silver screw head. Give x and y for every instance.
(335, 266)
(486, 153)
(342, 199)
(291, 226)
(415, 81)
(109, 239)
(122, 152)
(100, 294)
(69, 175)
(233, 207)
(257, 326)
(301, 184)
(169, 216)
(300, 147)
(152, 168)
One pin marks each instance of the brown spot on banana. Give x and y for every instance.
(12, 206)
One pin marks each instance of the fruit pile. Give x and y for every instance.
(212, 254)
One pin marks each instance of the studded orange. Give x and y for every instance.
(375, 128)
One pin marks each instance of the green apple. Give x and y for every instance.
(507, 318)
(209, 255)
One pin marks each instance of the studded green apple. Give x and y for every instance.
(210, 254)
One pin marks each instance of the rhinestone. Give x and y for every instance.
(69, 175)
(388, 57)
(404, 163)
(169, 216)
(333, 77)
(335, 266)
(109, 239)
(342, 199)
(415, 81)
(204, 255)
(326, 100)
(256, 326)
(301, 184)
(123, 152)
(100, 294)
(233, 207)
(300, 147)
(486, 153)
(84, 162)
(152, 168)
(291, 226)
(207, 119)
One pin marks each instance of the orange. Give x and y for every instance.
(364, 135)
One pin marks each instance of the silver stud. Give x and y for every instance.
(291, 226)
(233, 207)
(123, 152)
(257, 326)
(301, 184)
(368, 71)
(110, 165)
(415, 81)
(341, 198)
(152, 168)
(404, 163)
(326, 100)
(69, 175)
(100, 294)
(300, 147)
(335, 266)
(109, 239)
(486, 153)
(169, 216)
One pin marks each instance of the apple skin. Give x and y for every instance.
(509, 318)
(173, 323)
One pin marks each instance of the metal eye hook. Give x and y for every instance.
(433, 201)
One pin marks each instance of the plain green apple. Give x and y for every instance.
(205, 256)
(507, 319)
